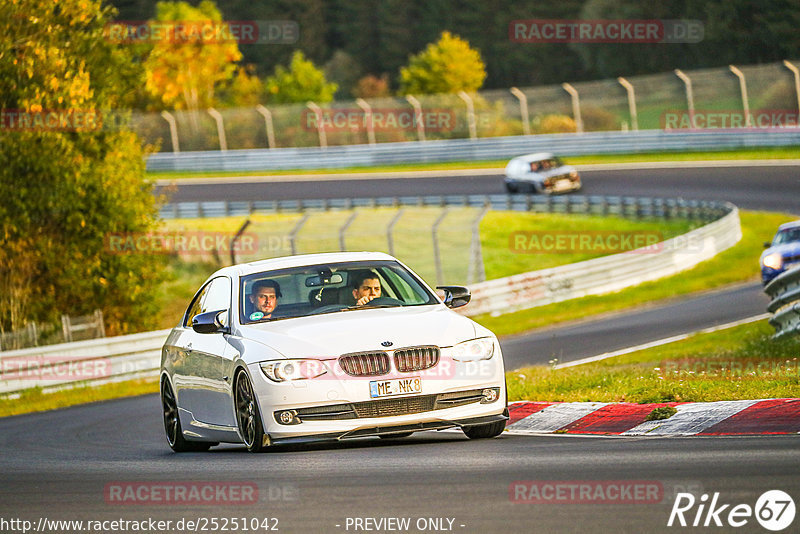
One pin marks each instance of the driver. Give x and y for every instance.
(264, 298)
(366, 286)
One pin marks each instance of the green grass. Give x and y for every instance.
(758, 153)
(737, 264)
(34, 400)
(738, 363)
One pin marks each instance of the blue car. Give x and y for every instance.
(783, 253)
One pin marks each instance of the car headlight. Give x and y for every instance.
(473, 350)
(773, 261)
(286, 370)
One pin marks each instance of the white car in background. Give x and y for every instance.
(322, 367)
(541, 173)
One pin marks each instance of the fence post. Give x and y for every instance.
(743, 88)
(523, 109)
(437, 256)
(631, 102)
(343, 230)
(475, 253)
(390, 229)
(173, 130)
(368, 119)
(473, 131)
(796, 73)
(689, 94)
(66, 328)
(101, 327)
(323, 139)
(418, 118)
(223, 141)
(267, 114)
(295, 231)
(576, 106)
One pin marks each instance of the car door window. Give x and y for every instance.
(216, 295)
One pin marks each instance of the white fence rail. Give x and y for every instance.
(606, 274)
(785, 305)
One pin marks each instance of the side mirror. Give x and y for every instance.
(455, 296)
(210, 322)
(767, 244)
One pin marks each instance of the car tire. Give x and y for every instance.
(248, 416)
(172, 423)
(512, 188)
(489, 430)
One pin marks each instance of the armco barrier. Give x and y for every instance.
(94, 361)
(785, 305)
(489, 148)
(608, 273)
(100, 361)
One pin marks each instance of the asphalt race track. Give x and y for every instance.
(773, 188)
(64, 464)
(71, 464)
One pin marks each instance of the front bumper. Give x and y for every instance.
(336, 408)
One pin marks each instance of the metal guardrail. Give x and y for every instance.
(608, 273)
(107, 360)
(636, 207)
(490, 148)
(90, 362)
(784, 290)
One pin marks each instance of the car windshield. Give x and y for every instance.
(790, 235)
(329, 288)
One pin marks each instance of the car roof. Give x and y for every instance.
(300, 260)
(787, 226)
(538, 156)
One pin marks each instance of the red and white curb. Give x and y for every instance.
(722, 418)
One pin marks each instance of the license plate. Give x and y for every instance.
(397, 386)
(562, 185)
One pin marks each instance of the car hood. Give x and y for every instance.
(333, 334)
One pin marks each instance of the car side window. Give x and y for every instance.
(216, 295)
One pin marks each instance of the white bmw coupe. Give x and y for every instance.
(327, 347)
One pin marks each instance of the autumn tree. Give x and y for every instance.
(447, 66)
(183, 72)
(301, 82)
(66, 185)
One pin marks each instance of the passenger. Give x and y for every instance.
(366, 286)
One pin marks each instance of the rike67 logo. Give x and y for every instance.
(774, 510)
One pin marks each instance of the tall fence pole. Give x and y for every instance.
(743, 88)
(323, 139)
(173, 130)
(418, 118)
(475, 268)
(267, 114)
(576, 106)
(368, 119)
(343, 230)
(523, 109)
(689, 94)
(223, 141)
(796, 73)
(437, 256)
(631, 102)
(295, 231)
(390, 230)
(473, 131)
